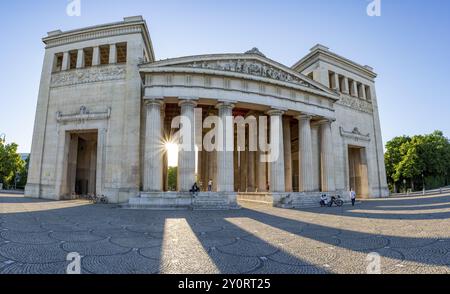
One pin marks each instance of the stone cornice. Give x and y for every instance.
(321, 53)
(58, 38)
(83, 115)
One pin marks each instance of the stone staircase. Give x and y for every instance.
(165, 201)
(256, 197)
(181, 201)
(212, 201)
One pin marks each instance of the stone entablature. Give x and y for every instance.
(88, 75)
(171, 80)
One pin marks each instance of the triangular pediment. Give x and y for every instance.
(246, 64)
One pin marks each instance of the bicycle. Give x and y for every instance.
(336, 200)
(100, 199)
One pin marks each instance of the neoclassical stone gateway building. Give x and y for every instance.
(105, 109)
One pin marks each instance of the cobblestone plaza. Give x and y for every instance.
(410, 234)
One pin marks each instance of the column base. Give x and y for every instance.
(32, 190)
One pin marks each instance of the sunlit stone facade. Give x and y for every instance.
(106, 107)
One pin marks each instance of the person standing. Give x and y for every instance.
(353, 197)
(210, 183)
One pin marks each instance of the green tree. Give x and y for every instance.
(172, 176)
(23, 175)
(420, 160)
(11, 164)
(393, 157)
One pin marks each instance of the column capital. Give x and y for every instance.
(326, 120)
(153, 100)
(225, 105)
(304, 117)
(275, 112)
(187, 101)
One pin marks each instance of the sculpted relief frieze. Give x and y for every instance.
(356, 103)
(250, 67)
(83, 115)
(354, 134)
(88, 75)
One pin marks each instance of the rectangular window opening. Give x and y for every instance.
(88, 54)
(341, 83)
(368, 95)
(121, 53)
(104, 54)
(58, 62)
(73, 55)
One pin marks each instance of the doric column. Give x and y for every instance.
(287, 153)
(327, 157)
(211, 173)
(112, 54)
(345, 88)
(362, 91)
(96, 56)
(251, 171)
(316, 173)
(165, 156)
(261, 170)
(101, 162)
(305, 153)
(225, 160)
(243, 171)
(353, 89)
(80, 58)
(261, 173)
(276, 141)
(153, 161)
(335, 81)
(186, 158)
(203, 170)
(66, 61)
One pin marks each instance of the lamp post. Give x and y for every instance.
(423, 184)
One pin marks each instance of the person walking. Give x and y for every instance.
(353, 196)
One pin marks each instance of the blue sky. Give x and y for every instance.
(408, 45)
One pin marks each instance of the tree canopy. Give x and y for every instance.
(419, 160)
(11, 164)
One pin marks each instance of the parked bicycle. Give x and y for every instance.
(100, 199)
(96, 199)
(336, 200)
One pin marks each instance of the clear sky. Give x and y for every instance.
(408, 46)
